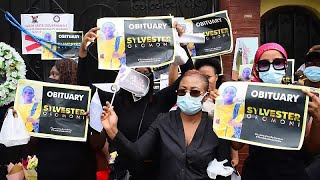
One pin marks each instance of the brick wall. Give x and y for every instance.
(245, 22)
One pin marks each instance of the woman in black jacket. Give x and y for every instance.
(134, 116)
(183, 139)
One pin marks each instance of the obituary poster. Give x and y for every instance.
(217, 30)
(135, 42)
(70, 38)
(52, 110)
(261, 114)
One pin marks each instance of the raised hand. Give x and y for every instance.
(213, 94)
(109, 120)
(90, 36)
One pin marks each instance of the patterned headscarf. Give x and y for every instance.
(260, 51)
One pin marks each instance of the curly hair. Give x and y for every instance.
(68, 71)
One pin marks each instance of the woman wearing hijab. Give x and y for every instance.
(265, 163)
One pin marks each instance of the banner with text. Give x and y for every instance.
(66, 38)
(135, 42)
(37, 23)
(261, 114)
(54, 111)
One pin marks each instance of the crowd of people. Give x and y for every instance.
(156, 141)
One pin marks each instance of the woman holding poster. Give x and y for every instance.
(61, 159)
(266, 163)
(135, 115)
(183, 139)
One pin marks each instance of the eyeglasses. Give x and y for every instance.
(193, 92)
(278, 64)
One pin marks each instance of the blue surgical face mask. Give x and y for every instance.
(312, 73)
(272, 76)
(190, 105)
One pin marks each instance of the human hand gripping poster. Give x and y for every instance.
(135, 42)
(54, 111)
(261, 114)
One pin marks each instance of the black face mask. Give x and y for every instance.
(52, 81)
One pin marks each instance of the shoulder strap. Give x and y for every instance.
(34, 108)
(235, 111)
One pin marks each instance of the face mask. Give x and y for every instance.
(52, 81)
(312, 73)
(272, 76)
(189, 105)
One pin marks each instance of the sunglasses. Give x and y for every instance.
(277, 63)
(193, 93)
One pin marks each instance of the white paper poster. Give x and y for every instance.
(37, 23)
(246, 49)
(244, 52)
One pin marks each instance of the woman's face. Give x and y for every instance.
(211, 74)
(54, 73)
(192, 82)
(271, 67)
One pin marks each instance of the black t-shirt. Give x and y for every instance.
(274, 164)
(65, 160)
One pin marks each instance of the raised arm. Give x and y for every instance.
(137, 151)
(174, 67)
(90, 36)
(88, 72)
(83, 63)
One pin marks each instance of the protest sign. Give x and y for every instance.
(37, 23)
(244, 52)
(261, 114)
(135, 42)
(133, 81)
(218, 34)
(66, 38)
(54, 111)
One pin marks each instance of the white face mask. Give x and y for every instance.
(272, 76)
